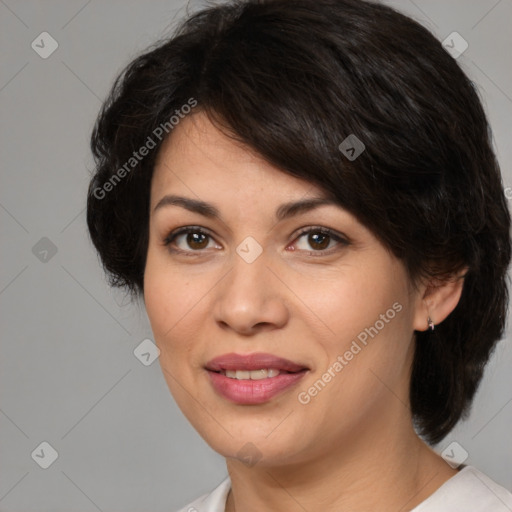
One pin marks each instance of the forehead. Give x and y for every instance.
(199, 156)
(196, 135)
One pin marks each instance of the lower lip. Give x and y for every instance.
(251, 392)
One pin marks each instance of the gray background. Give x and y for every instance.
(68, 373)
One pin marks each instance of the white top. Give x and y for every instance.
(467, 491)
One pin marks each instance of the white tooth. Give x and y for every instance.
(259, 374)
(251, 375)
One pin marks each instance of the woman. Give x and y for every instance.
(314, 216)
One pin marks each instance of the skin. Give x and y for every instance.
(356, 434)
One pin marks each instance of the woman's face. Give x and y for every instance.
(248, 282)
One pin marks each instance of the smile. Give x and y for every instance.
(252, 375)
(253, 379)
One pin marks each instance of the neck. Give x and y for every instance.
(381, 468)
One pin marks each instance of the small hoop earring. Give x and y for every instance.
(430, 324)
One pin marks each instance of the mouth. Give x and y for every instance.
(263, 373)
(253, 378)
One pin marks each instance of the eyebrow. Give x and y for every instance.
(284, 211)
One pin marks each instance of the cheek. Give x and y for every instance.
(165, 306)
(165, 297)
(175, 303)
(369, 317)
(353, 298)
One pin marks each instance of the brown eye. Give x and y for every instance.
(196, 240)
(318, 240)
(189, 239)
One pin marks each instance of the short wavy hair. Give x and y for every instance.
(292, 79)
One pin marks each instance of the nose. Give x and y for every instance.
(250, 298)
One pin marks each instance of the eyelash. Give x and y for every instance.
(304, 231)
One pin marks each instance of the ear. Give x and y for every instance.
(438, 298)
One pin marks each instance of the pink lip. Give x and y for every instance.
(255, 361)
(252, 392)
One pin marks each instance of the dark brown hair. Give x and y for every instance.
(292, 79)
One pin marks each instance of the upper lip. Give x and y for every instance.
(249, 362)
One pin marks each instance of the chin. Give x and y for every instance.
(254, 439)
